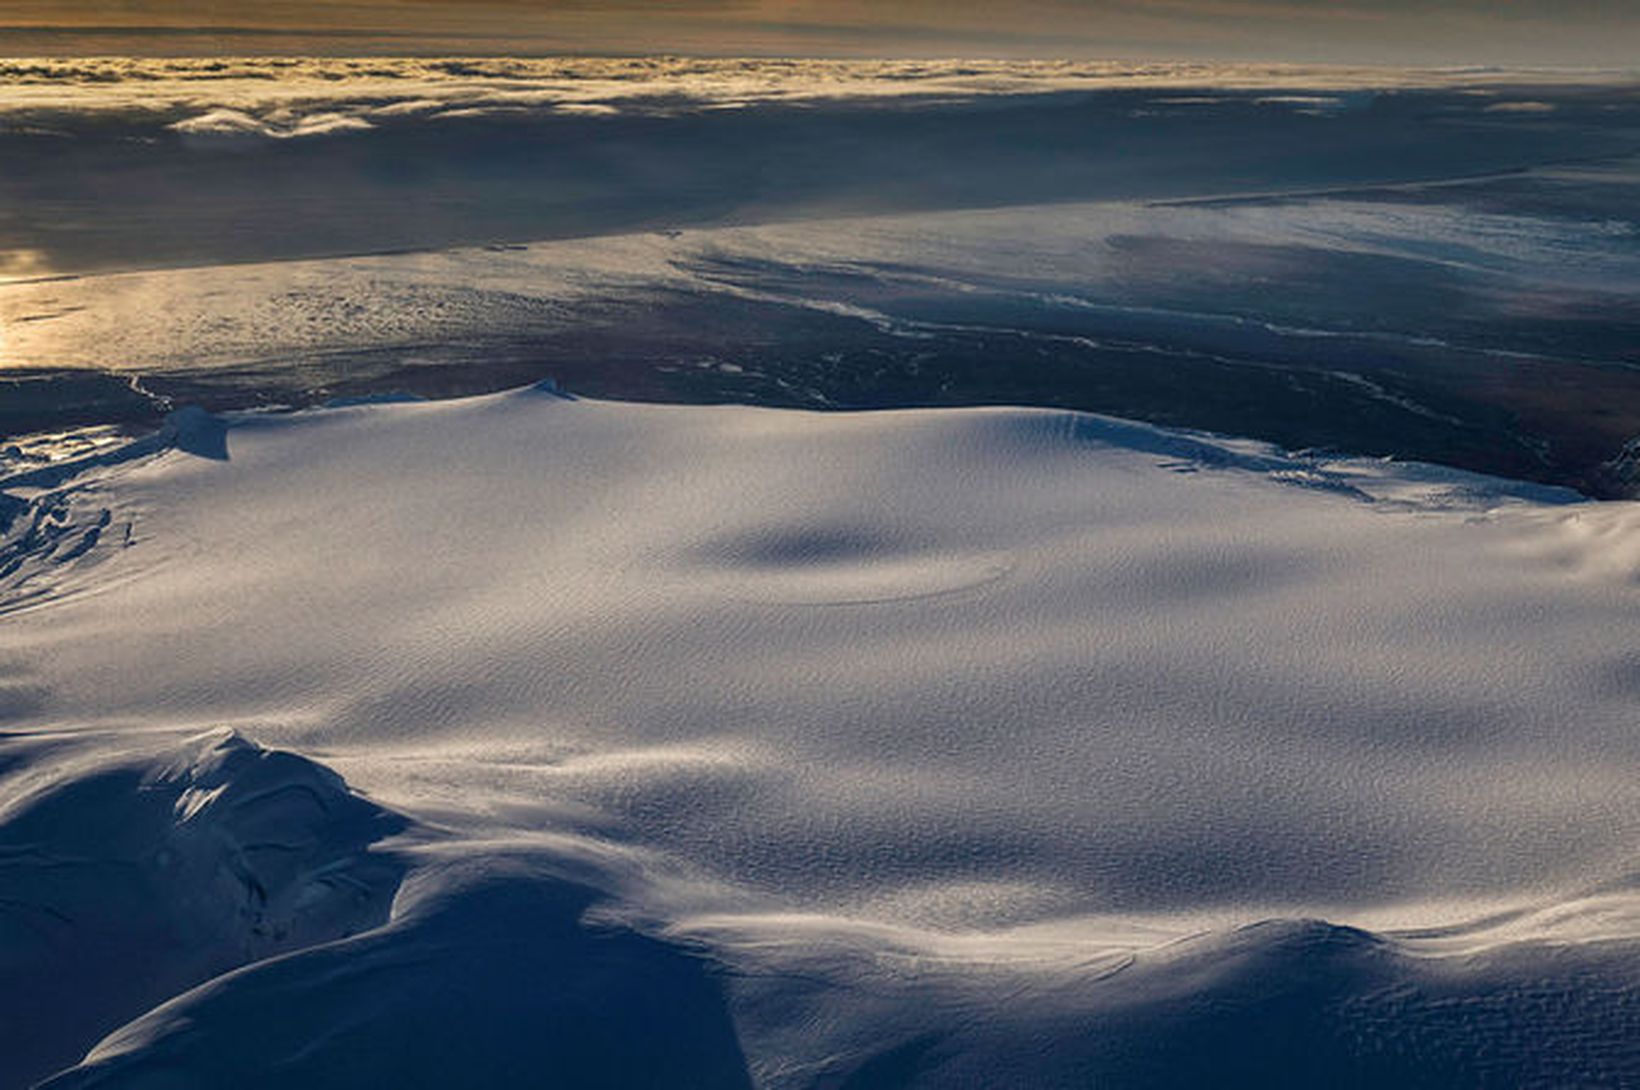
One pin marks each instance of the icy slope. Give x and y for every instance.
(918, 748)
(129, 878)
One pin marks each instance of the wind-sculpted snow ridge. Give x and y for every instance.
(710, 746)
(502, 978)
(134, 870)
(492, 977)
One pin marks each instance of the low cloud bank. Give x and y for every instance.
(284, 97)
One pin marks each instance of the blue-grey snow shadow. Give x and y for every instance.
(1288, 1003)
(495, 980)
(199, 433)
(125, 881)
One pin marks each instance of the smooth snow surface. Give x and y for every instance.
(728, 746)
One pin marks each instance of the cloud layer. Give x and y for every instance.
(1353, 31)
(289, 97)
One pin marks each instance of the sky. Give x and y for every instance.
(1393, 32)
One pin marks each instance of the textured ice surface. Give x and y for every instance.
(963, 747)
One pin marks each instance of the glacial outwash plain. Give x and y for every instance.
(818, 575)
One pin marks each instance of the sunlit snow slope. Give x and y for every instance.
(730, 746)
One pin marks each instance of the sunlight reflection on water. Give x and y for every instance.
(23, 264)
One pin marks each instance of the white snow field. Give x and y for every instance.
(525, 741)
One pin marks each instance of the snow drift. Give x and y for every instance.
(722, 746)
